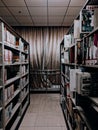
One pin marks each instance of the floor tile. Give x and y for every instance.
(50, 121)
(50, 128)
(26, 128)
(44, 113)
(33, 108)
(29, 120)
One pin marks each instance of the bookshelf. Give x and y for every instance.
(79, 70)
(14, 77)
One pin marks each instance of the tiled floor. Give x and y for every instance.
(44, 113)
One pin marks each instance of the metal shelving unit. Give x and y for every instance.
(14, 77)
(80, 109)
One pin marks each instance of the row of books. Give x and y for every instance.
(9, 38)
(13, 41)
(10, 57)
(87, 22)
(87, 50)
(91, 49)
(9, 92)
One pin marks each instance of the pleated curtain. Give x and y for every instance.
(44, 48)
(44, 45)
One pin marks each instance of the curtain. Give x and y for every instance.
(44, 46)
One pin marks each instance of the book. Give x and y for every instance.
(15, 58)
(72, 54)
(23, 69)
(5, 34)
(67, 40)
(8, 37)
(10, 109)
(96, 18)
(66, 57)
(22, 45)
(5, 75)
(8, 56)
(12, 89)
(86, 21)
(23, 58)
(5, 95)
(76, 29)
(6, 114)
(9, 92)
(17, 43)
(73, 78)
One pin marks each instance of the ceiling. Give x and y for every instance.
(40, 12)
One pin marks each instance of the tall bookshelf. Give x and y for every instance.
(14, 77)
(79, 70)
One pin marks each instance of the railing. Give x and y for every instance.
(45, 80)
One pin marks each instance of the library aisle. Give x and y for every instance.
(44, 113)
